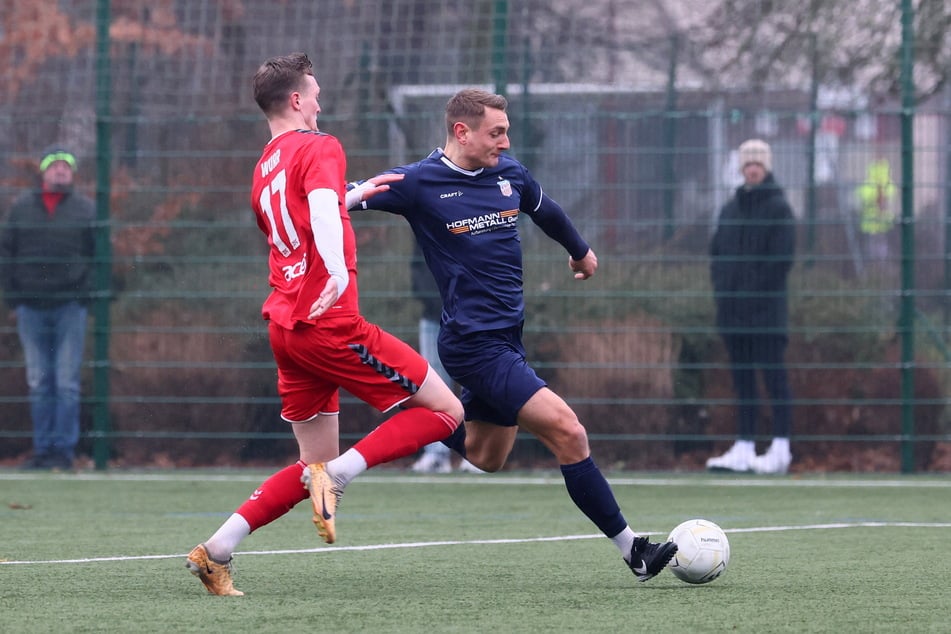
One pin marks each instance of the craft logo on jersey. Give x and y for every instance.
(484, 223)
(506, 187)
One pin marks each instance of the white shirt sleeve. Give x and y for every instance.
(354, 196)
(328, 234)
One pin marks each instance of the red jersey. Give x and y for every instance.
(291, 166)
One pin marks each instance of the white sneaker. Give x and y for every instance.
(737, 458)
(431, 462)
(467, 467)
(776, 460)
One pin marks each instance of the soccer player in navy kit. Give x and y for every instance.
(463, 203)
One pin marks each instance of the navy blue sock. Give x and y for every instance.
(457, 440)
(592, 494)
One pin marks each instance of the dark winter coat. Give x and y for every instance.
(46, 260)
(750, 257)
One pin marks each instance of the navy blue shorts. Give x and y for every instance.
(491, 368)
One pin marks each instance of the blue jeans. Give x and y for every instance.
(53, 342)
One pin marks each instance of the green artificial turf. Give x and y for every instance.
(475, 553)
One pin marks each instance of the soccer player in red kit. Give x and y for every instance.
(318, 337)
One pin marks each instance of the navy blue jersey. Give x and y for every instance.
(466, 223)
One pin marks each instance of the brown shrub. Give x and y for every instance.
(617, 377)
(157, 368)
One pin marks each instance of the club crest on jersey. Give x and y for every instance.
(506, 187)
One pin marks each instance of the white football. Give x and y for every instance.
(703, 551)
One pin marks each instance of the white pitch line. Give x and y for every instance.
(815, 527)
(474, 542)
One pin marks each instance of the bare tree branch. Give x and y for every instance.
(858, 43)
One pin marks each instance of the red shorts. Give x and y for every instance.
(313, 362)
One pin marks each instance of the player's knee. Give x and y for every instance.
(487, 462)
(571, 436)
(451, 418)
(491, 467)
(448, 403)
(456, 412)
(578, 434)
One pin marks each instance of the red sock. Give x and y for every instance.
(404, 434)
(276, 496)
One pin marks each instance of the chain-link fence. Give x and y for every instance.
(615, 113)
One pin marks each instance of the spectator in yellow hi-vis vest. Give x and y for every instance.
(876, 198)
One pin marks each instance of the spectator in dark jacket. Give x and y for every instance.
(47, 251)
(751, 254)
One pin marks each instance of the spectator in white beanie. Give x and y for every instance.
(756, 151)
(750, 257)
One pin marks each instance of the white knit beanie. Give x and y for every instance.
(756, 151)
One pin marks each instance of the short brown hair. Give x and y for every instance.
(469, 107)
(277, 78)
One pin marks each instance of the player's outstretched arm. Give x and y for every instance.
(369, 188)
(558, 226)
(585, 267)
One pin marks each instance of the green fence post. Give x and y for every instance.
(670, 138)
(101, 424)
(811, 213)
(500, 46)
(907, 326)
(947, 213)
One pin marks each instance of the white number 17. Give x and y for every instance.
(277, 186)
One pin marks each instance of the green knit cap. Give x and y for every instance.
(53, 154)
